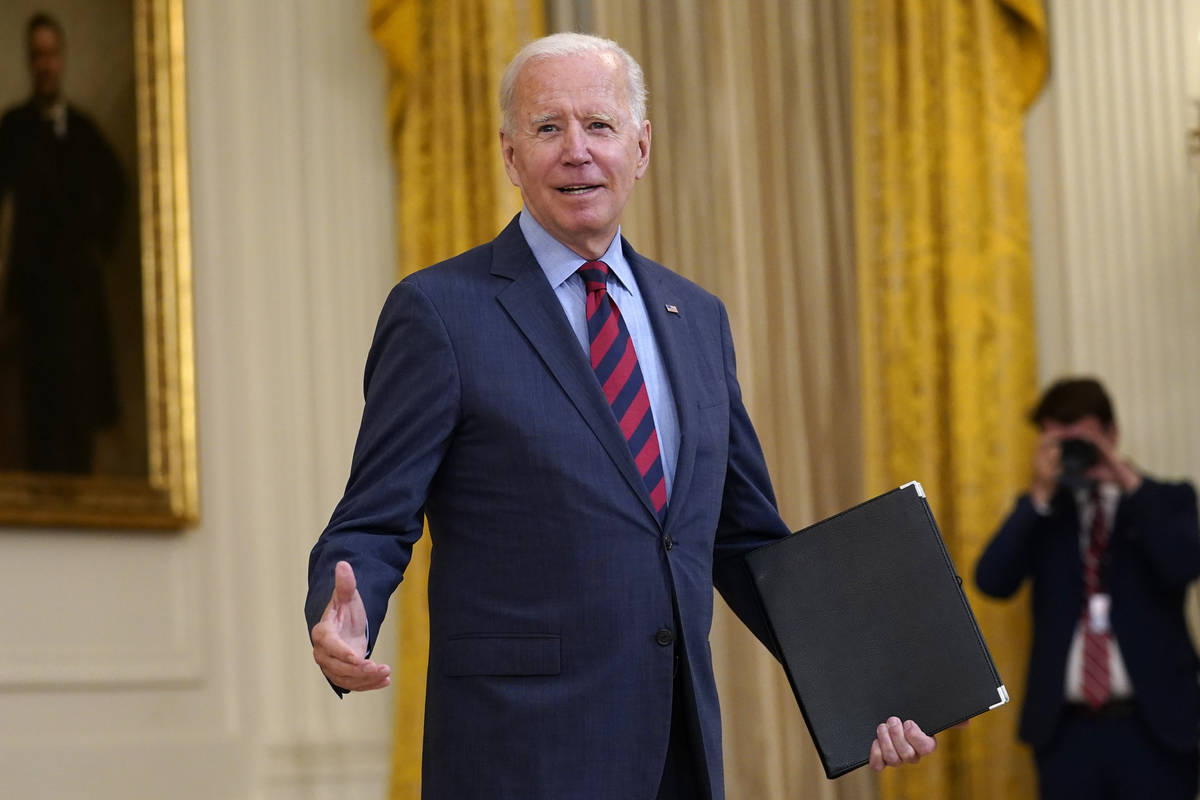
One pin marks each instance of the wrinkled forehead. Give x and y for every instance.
(582, 79)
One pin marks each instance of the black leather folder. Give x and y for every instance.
(870, 620)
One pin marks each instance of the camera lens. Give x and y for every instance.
(1078, 456)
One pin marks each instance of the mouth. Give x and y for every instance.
(577, 189)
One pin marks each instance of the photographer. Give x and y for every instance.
(1111, 706)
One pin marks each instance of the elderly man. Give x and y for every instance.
(566, 415)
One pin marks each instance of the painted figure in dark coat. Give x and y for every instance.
(64, 188)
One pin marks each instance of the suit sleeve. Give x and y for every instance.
(749, 515)
(412, 396)
(1164, 523)
(1008, 558)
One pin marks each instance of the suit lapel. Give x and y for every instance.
(532, 305)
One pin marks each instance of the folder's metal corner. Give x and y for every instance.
(917, 484)
(1003, 692)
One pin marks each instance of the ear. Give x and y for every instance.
(508, 153)
(643, 145)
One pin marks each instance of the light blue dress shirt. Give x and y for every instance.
(560, 263)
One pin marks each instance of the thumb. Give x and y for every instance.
(344, 584)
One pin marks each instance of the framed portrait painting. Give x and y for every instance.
(97, 415)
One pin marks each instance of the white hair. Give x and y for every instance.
(571, 44)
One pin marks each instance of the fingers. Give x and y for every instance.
(339, 640)
(361, 678)
(1047, 460)
(1046, 468)
(345, 614)
(344, 584)
(899, 743)
(876, 758)
(327, 640)
(343, 665)
(887, 745)
(922, 743)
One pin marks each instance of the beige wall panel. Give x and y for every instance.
(76, 581)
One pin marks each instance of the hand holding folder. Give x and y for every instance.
(851, 598)
(899, 743)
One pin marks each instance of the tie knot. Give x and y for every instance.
(595, 275)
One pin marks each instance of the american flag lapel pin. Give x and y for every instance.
(672, 309)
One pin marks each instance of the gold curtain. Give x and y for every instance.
(445, 59)
(945, 310)
(748, 194)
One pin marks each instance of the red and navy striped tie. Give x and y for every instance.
(616, 366)
(1097, 686)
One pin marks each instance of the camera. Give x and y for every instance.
(1077, 457)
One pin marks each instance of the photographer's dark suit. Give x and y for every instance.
(1153, 554)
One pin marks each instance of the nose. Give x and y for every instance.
(575, 145)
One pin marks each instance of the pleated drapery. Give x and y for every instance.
(945, 310)
(445, 59)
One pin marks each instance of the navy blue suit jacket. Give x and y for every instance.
(551, 577)
(1153, 553)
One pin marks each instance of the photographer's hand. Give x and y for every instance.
(1110, 467)
(1047, 466)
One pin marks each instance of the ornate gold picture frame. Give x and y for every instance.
(144, 474)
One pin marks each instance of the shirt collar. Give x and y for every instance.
(1110, 493)
(560, 262)
(56, 115)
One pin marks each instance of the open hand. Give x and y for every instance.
(340, 639)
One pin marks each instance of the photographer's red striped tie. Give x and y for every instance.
(1096, 683)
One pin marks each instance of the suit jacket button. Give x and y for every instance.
(668, 542)
(664, 636)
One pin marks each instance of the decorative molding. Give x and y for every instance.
(83, 671)
(313, 765)
(159, 648)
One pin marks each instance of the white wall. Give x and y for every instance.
(1116, 222)
(156, 665)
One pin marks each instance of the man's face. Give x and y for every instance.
(45, 62)
(574, 151)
